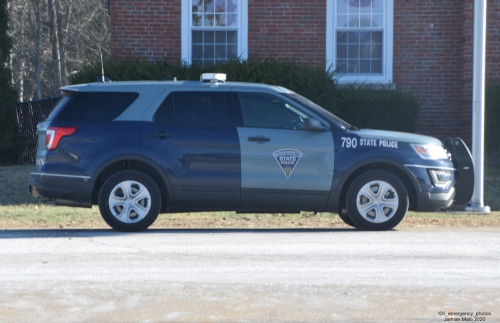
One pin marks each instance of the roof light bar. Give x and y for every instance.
(213, 77)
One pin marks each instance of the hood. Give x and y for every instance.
(398, 136)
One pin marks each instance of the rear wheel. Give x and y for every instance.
(129, 201)
(377, 200)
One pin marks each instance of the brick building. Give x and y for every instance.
(419, 45)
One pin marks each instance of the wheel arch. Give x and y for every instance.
(137, 163)
(403, 174)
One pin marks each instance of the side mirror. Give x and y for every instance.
(311, 124)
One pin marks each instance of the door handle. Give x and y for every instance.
(160, 135)
(259, 139)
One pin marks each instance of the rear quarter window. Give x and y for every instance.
(94, 106)
(197, 108)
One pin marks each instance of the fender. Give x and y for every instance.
(341, 179)
(134, 157)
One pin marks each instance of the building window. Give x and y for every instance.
(359, 39)
(214, 30)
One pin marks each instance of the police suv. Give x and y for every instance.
(138, 149)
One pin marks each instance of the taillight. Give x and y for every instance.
(54, 135)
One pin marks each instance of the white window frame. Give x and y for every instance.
(387, 51)
(186, 35)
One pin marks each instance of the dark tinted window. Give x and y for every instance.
(268, 111)
(199, 109)
(313, 106)
(164, 114)
(65, 98)
(96, 106)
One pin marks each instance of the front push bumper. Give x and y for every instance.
(432, 198)
(464, 169)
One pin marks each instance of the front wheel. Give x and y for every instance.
(129, 201)
(377, 200)
(344, 216)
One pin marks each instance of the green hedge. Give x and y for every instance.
(361, 105)
(8, 95)
(492, 118)
(378, 107)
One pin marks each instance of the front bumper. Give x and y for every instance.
(64, 189)
(432, 197)
(429, 197)
(432, 202)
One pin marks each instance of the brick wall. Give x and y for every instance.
(294, 30)
(466, 96)
(428, 59)
(432, 46)
(492, 52)
(493, 41)
(146, 28)
(492, 44)
(433, 49)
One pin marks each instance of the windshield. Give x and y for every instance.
(316, 108)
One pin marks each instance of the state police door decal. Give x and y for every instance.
(287, 159)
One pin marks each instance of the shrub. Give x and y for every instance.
(8, 95)
(316, 84)
(363, 106)
(492, 117)
(8, 99)
(378, 107)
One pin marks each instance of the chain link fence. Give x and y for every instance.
(26, 117)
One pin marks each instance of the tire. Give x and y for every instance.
(344, 216)
(129, 201)
(377, 200)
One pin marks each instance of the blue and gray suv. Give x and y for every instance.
(138, 149)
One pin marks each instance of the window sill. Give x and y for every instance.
(373, 82)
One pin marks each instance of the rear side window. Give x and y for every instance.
(165, 112)
(95, 106)
(205, 109)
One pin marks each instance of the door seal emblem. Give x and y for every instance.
(287, 159)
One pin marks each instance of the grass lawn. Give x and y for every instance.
(19, 210)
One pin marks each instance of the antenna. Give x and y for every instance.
(102, 78)
(102, 69)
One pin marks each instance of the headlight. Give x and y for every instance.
(431, 151)
(441, 178)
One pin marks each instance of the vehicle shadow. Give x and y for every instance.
(87, 233)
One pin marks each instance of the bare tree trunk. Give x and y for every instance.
(12, 55)
(38, 58)
(55, 46)
(21, 61)
(53, 39)
(16, 53)
(21, 81)
(60, 39)
(17, 58)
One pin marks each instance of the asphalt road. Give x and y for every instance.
(249, 276)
